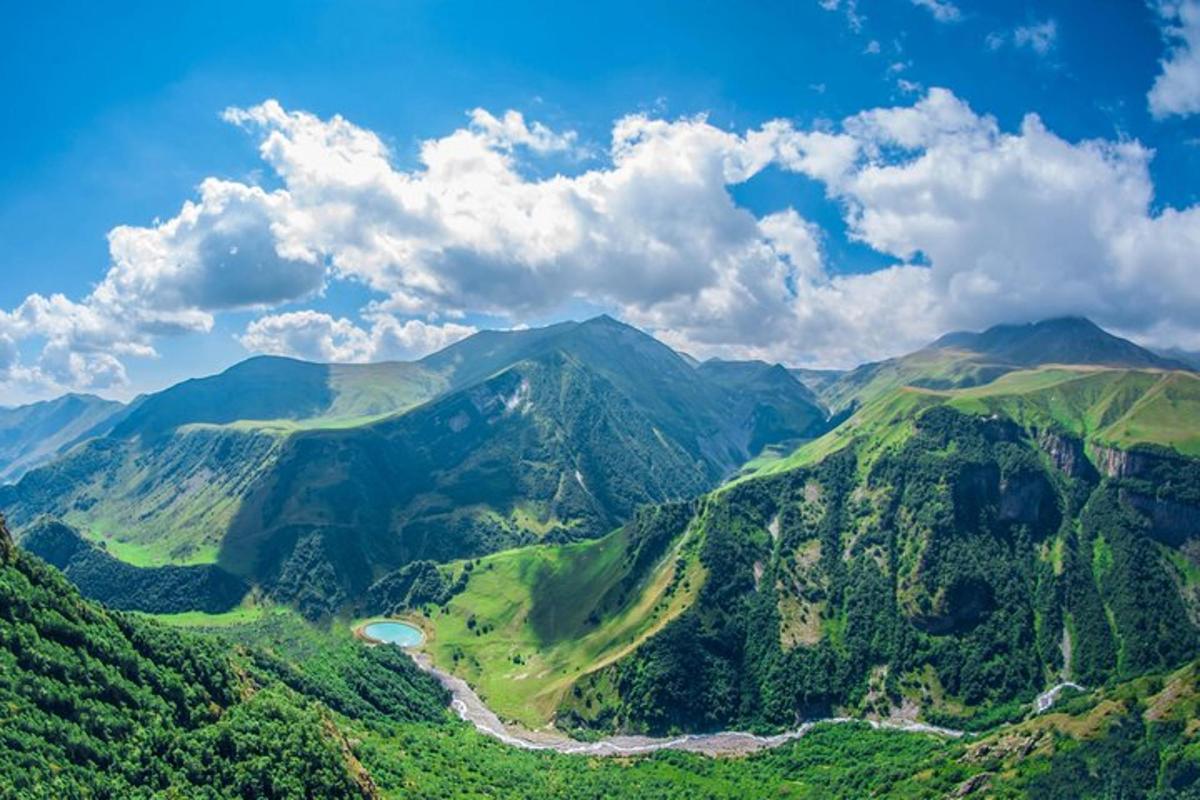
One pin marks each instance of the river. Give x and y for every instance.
(468, 705)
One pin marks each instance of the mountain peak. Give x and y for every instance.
(604, 321)
(1058, 340)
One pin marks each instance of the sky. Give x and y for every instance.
(816, 182)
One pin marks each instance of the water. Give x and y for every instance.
(397, 633)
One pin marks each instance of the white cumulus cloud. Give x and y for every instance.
(317, 336)
(981, 225)
(1176, 90)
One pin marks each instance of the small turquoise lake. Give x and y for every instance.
(397, 633)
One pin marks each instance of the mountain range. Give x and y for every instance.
(312, 480)
(604, 536)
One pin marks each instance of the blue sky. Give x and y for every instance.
(116, 120)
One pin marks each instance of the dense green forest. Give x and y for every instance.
(97, 703)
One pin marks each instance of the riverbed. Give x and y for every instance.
(468, 705)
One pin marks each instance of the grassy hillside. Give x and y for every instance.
(149, 503)
(529, 623)
(120, 585)
(1121, 408)
(960, 360)
(270, 388)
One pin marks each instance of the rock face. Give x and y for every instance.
(1067, 453)
(1157, 484)
(1172, 523)
(1117, 463)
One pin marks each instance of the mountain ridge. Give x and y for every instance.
(212, 456)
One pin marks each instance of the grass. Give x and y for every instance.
(1114, 407)
(144, 554)
(1122, 408)
(533, 621)
(285, 427)
(884, 422)
(244, 614)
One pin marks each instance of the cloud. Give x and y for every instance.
(511, 130)
(8, 356)
(1040, 37)
(1018, 225)
(1176, 90)
(317, 336)
(942, 10)
(849, 8)
(217, 254)
(981, 225)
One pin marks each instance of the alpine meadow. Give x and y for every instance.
(723, 401)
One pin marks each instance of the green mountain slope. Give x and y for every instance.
(942, 552)
(1106, 408)
(119, 585)
(546, 449)
(271, 388)
(34, 434)
(151, 502)
(767, 398)
(99, 704)
(955, 572)
(523, 625)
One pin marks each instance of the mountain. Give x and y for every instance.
(1189, 357)
(963, 359)
(591, 422)
(1066, 340)
(816, 379)
(776, 405)
(34, 434)
(313, 480)
(952, 574)
(272, 388)
(548, 505)
(946, 552)
(117, 584)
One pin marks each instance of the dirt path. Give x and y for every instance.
(470, 708)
